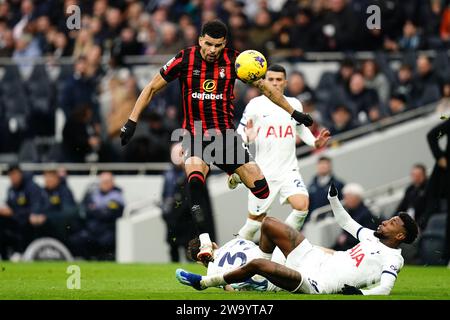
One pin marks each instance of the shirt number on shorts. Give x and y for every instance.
(299, 183)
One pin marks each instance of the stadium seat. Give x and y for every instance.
(432, 241)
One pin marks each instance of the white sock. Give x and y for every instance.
(212, 281)
(264, 255)
(249, 229)
(205, 240)
(296, 219)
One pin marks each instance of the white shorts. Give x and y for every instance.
(307, 259)
(290, 184)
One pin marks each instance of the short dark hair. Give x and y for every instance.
(422, 167)
(277, 68)
(193, 249)
(215, 29)
(410, 226)
(324, 158)
(13, 167)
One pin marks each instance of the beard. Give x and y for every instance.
(379, 235)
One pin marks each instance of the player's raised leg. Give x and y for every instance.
(196, 172)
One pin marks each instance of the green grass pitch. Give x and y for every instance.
(101, 280)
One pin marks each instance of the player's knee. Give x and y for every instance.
(196, 179)
(267, 224)
(261, 189)
(256, 264)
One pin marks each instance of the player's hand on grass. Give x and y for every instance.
(302, 118)
(332, 192)
(350, 290)
(322, 139)
(127, 132)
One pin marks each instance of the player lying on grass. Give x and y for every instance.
(308, 269)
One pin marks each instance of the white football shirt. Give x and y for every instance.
(275, 141)
(232, 255)
(361, 266)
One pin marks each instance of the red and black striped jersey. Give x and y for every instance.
(207, 88)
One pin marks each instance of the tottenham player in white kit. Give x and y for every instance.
(374, 262)
(274, 134)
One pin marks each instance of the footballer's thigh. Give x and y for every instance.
(294, 192)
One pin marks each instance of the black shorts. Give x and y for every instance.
(227, 150)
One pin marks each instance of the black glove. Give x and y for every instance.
(127, 131)
(332, 191)
(302, 118)
(349, 290)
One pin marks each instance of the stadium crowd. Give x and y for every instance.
(97, 91)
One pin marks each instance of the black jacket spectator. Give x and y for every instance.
(103, 205)
(24, 199)
(61, 210)
(338, 28)
(318, 188)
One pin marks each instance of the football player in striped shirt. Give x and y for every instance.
(207, 75)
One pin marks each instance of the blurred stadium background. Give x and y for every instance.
(64, 95)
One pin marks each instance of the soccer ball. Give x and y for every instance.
(250, 65)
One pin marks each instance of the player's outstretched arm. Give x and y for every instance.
(342, 217)
(384, 288)
(155, 85)
(277, 97)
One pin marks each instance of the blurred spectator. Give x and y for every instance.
(445, 26)
(81, 139)
(426, 83)
(125, 45)
(338, 27)
(376, 80)
(303, 32)
(404, 82)
(363, 101)
(414, 201)
(175, 207)
(103, 205)
(443, 107)
(151, 145)
(61, 212)
(59, 45)
(117, 100)
(171, 41)
(261, 32)
(27, 14)
(84, 42)
(298, 88)
(6, 41)
(439, 183)
(411, 39)
(79, 89)
(318, 188)
(354, 204)
(25, 48)
(342, 120)
(397, 104)
(23, 210)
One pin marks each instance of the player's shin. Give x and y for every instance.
(296, 219)
(196, 184)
